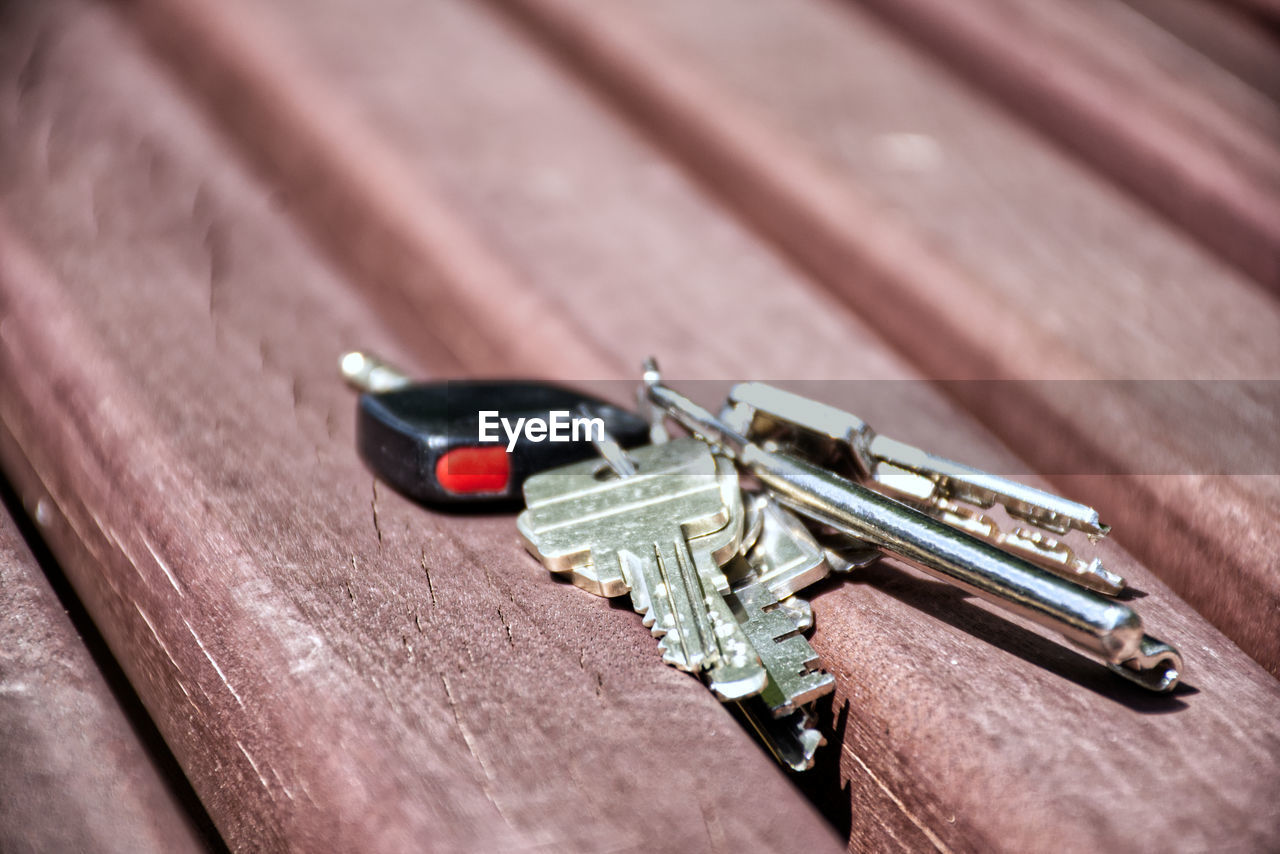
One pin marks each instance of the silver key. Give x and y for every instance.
(942, 488)
(791, 662)
(785, 557)
(1111, 630)
(659, 534)
(791, 739)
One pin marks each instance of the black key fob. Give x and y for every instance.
(473, 442)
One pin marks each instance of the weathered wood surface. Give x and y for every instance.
(385, 675)
(334, 669)
(1240, 45)
(75, 775)
(941, 220)
(1094, 90)
(1267, 11)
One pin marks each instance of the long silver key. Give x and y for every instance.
(1109, 629)
(658, 534)
(847, 445)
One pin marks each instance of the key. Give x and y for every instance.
(1108, 629)
(659, 534)
(940, 487)
(790, 661)
(785, 557)
(423, 439)
(791, 739)
(788, 555)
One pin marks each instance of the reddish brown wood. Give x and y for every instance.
(1265, 10)
(74, 773)
(958, 731)
(334, 669)
(1198, 164)
(1237, 42)
(1006, 262)
(363, 215)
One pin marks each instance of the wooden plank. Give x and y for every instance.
(989, 231)
(1238, 43)
(1267, 11)
(79, 772)
(334, 668)
(943, 711)
(1198, 164)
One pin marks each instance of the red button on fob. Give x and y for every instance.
(471, 471)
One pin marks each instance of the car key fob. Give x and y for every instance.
(474, 442)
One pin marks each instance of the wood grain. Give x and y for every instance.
(333, 668)
(1183, 153)
(943, 712)
(1238, 43)
(77, 775)
(980, 254)
(1265, 10)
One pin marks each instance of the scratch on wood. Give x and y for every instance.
(33, 66)
(902, 807)
(462, 730)
(156, 635)
(207, 655)
(715, 830)
(431, 588)
(95, 210)
(261, 779)
(164, 567)
(374, 504)
(510, 637)
(187, 694)
(200, 202)
(215, 247)
(146, 582)
(471, 747)
(280, 781)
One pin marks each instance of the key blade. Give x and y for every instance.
(791, 740)
(965, 483)
(787, 656)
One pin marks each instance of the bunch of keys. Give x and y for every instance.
(715, 570)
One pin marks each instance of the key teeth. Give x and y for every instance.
(785, 652)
